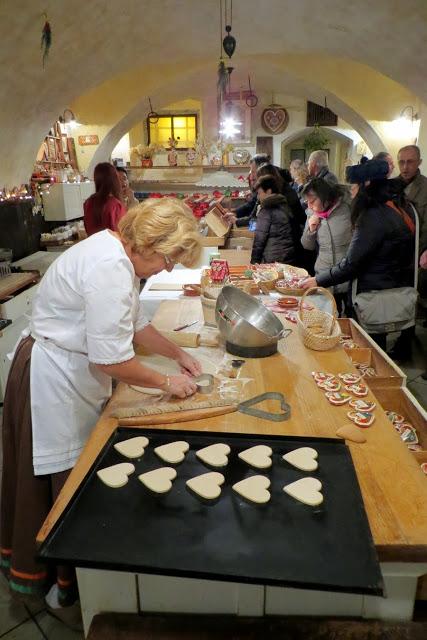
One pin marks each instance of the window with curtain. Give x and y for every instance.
(181, 127)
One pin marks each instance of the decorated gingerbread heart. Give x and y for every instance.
(349, 378)
(361, 418)
(330, 385)
(321, 376)
(362, 405)
(359, 389)
(396, 418)
(337, 397)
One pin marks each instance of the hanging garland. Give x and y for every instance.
(46, 41)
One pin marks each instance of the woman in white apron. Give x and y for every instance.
(86, 318)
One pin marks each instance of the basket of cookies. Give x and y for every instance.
(318, 329)
(290, 283)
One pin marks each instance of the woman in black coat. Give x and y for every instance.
(275, 239)
(382, 249)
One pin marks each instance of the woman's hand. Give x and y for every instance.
(308, 283)
(423, 260)
(230, 217)
(313, 222)
(189, 365)
(181, 386)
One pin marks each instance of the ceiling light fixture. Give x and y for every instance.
(229, 42)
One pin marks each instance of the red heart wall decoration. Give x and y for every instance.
(274, 119)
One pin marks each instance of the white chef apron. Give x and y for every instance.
(68, 394)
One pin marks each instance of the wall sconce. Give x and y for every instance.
(68, 118)
(405, 128)
(408, 113)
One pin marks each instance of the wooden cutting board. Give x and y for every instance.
(176, 313)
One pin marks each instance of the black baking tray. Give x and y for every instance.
(282, 543)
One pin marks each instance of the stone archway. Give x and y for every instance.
(340, 148)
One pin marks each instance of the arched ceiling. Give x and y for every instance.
(351, 50)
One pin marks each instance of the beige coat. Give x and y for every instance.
(417, 194)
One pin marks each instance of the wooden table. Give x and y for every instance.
(393, 486)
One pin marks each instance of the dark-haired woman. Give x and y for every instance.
(381, 251)
(328, 230)
(104, 208)
(274, 235)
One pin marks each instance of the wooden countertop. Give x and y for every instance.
(393, 486)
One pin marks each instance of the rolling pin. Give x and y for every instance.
(185, 340)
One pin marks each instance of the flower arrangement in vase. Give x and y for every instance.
(143, 154)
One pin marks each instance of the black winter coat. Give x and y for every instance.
(275, 239)
(380, 255)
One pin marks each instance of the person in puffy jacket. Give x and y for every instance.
(381, 251)
(275, 239)
(328, 230)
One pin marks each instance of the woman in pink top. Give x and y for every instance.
(104, 209)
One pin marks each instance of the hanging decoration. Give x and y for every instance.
(152, 116)
(46, 40)
(251, 98)
(274, 119)
(316, 139)
(229, 42)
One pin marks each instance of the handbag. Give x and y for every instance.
(387, 310)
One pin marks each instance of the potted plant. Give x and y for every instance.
(316, 139)
(144, 153)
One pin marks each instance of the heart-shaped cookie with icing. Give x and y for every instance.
(158, 480)
(306, 490)
(332, 384)
(173, 452)
(359, 389)
(117, 475)
(133, 447)
(349, 378)
(320, 376)
(258, 456)
(396, 418)
(338, 397)
(362, 405)
(361, 418)
(215, 455)
(254, 489)
(304, 458)
(207, 485)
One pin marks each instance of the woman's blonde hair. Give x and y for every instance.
(164, 225)
(301, 174)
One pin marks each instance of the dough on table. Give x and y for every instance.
(306, 490)
(215, 455)
(169, 367)
(158, 480)
(304, 458)
(258, 456)
(352, 433)
(117, 475)
(254, 489)
(207, 485)
(133, 447)
(173, 452)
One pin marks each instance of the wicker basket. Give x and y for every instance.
(319, 330)
(290, 270)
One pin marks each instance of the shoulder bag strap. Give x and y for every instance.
(405, 217)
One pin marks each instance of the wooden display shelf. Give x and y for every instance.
(388, 375)
(14, 282)
(402, 401)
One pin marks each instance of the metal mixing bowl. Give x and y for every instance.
(248, 327)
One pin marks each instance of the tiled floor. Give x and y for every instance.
(19, 623)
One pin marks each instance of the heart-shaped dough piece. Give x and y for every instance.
(258, 456)
(173, 452)
(303, 458)
(306, 490)
(215, 455)
(208, 485)
(158, 480)
(117, 475)
(132, 448)
(352, 433)
(254, 488)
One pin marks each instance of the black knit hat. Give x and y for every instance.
(371, 170)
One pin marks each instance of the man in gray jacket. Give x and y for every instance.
(409, 161)
(318, 167)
